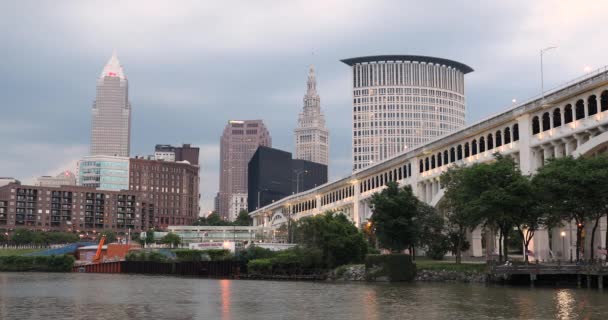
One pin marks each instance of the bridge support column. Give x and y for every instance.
(476, 248)
(525, 152)
(558, 149)
(356, 206)
(600, 282)
(540, 245)
(547, 154)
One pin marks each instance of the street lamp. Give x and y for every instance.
(563, 234)
(298, 173)
(542, 82)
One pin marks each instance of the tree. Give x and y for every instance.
(570, 190)
(432, 236)
(172, 239)
(457, 182)
(494, 194)
(243, 219)
(212, 219)
(396, 217)
(22, 236)
(110, 236)
(338, 239)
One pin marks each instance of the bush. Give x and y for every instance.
(260, 266)
(291, 261)
(438, 247)
(146, 256)
(191, 255)
(218, 254)
(393, 267)
(37, 263)
(254, 252)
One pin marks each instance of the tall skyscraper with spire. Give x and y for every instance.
(312, 137)
(111, 112)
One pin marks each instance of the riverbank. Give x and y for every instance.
(427, 270)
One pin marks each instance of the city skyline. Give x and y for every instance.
(178, 95)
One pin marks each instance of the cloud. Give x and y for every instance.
(193, 65)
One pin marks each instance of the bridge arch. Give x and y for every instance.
(596, 144)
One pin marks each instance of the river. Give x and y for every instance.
(116, 296)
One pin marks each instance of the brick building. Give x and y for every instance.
(168, 190)
(161, 193)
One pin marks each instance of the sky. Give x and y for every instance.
(194, 65)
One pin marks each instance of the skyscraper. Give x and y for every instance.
(401, 101)
(312, 138)
(239, 142)
(111, 113)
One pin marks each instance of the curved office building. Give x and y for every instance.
(401, 101)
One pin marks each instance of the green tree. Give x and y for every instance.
(172, 239)
(243, 219)
(432, 232)
(396, 218)
(22, 236)
(338, 239)
(457, 182)
(575, 190)
(212, 219)
(496, 195)
(110, 236)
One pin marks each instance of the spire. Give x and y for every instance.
(113, 68)
(312, 82)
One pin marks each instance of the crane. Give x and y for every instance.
(97, 257)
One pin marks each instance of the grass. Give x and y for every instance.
(17, 252)
(435, 265)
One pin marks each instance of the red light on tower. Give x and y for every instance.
(112, 74)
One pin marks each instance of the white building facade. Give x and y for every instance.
(571, 120)
(402, 101)
(238, 202)
(311, 135)
(111, 112)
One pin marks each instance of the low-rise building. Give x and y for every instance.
(69, 208)
(66, 178)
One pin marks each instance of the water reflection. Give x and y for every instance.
(225, 294)
(564, 304)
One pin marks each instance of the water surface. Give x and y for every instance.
(112, 296)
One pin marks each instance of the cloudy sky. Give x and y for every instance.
(193, 65)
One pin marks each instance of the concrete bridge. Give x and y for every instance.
(569, 120)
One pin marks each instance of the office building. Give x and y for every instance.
(311, 135)
(273, 175)
(239, 141)
(402, 101)
(111, 112)
(104, 172)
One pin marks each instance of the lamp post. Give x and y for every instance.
(542, 80)
(298, 173)
(259, 192)
(563, 234)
